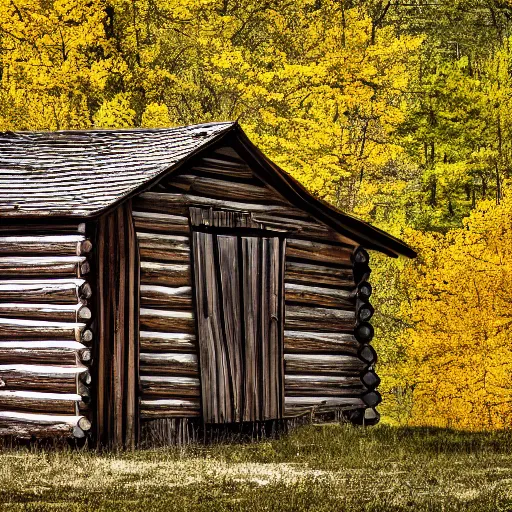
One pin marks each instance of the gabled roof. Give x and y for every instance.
(82, 174)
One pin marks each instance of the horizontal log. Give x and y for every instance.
(169, 408)
(30, 266)
(317, 296)
(323, 385)
(150, 221)
(312, 319)
(27, 425)
(167, 342)
(52, 312)
(166, 274)
(370, 379)
(42, 229)
(367, 353)
(169, 364)
(309, 229)
(226, 190)
(48, 403)
(179, 297)
(45, 292)
(43, 352)
(300, 341)
(311, 274)
(41, 378)
(323, 363)
(178, 204)
(169, 386)
(298, 405)
(316, 251)
(26, 330)
(55, 245)
(167, 248)
(167, 321)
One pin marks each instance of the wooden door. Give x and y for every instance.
(238, 291)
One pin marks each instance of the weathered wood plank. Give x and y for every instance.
(311, 319)
(167, 321)
(317, 296)
(158, 386)
(169, 408)
(316, 251)
(167, 342)
(52, 312)
(170, 224)
(26, 330)
(166, 248)
(318, 342)
(53, 353)
(165, 274)
(30, 266)
(323, 364)
(179, 297)
(169, 364)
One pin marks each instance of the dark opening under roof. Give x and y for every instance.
(82, 174)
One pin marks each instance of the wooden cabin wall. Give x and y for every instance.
(327, 359)
(45, 333)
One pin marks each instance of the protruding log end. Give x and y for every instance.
(370, 379)
(85, 247)
(85, 377)
(85, 291)
(364, 332)
(85, 268)
(78, 433)
(365, 312)
(367, 354)
(85, 355)
(372, 399)
(364, 290)
(84, 313)
(84, 424)
(86, 336)
(360, 257)
(367, 417)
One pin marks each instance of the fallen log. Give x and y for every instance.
(26, 425)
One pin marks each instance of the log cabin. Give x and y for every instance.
(156, 283)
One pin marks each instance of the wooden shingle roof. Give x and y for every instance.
(82, 174)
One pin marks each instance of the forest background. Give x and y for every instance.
(397, 111)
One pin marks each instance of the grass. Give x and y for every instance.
(316, 468)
